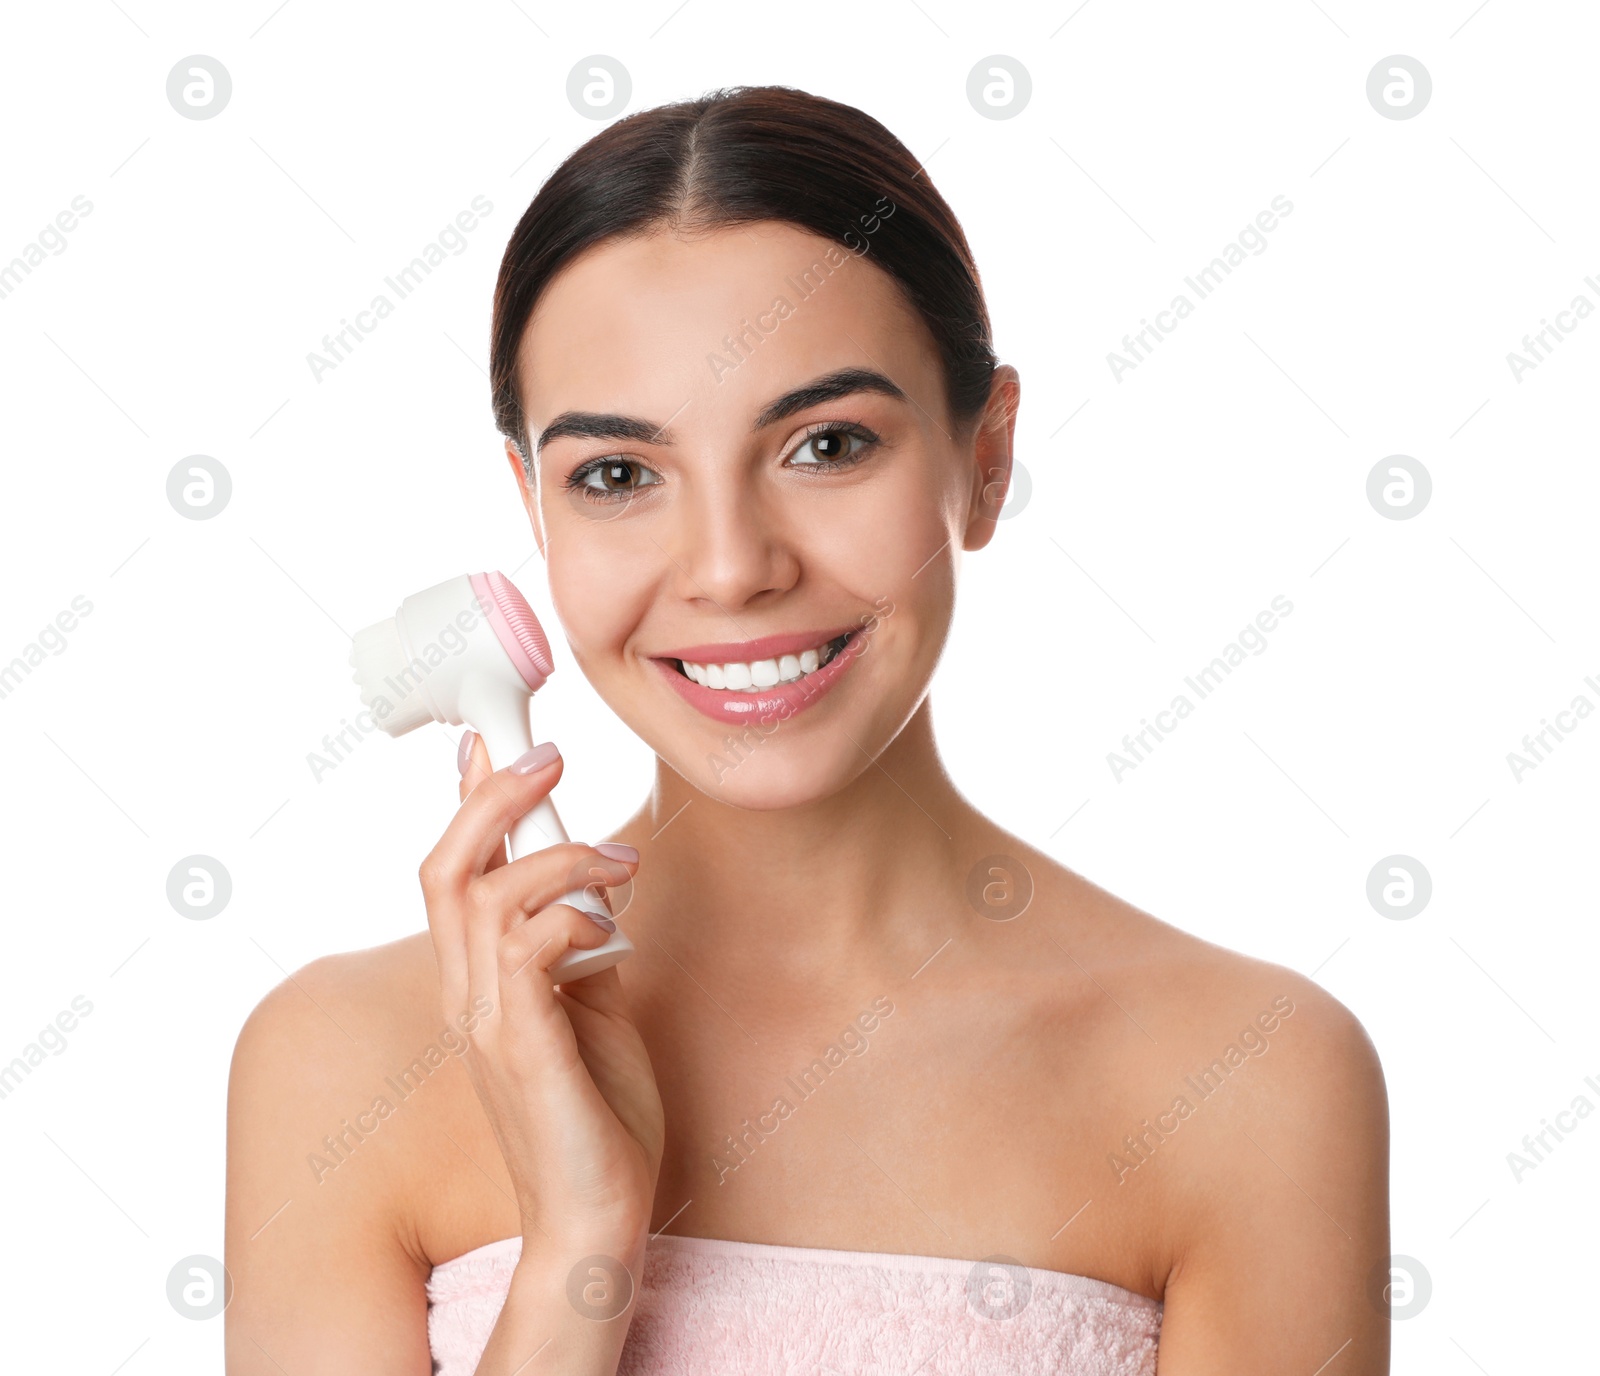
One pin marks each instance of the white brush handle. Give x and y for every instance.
(542, 827)
(507, 736)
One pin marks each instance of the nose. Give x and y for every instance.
(730, 547)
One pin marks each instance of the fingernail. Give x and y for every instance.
(604, 923)
(537, 758)
(464, 753)
(616, 850)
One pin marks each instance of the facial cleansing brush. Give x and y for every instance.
(471, 652)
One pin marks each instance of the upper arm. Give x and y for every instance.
(1279, 1247)
(322, 1282)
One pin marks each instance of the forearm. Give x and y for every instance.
(567, 1311)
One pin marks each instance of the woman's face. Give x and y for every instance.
(742, 452)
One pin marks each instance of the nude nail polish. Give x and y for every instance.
(537, 758)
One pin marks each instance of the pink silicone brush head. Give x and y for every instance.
(515, 626)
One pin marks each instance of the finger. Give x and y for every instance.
(447, 928)
(495, 904)
(536, 945)
(507, 898)
(445, 921)
(478, 830)
(472, 760)
(464, 761)
(524, 989)
(600, 992)
(534, 881)
(466, 758)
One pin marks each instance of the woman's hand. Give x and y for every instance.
(563, 1074)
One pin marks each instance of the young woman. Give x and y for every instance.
(883, 1088)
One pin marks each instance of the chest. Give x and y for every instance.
(877, 1125)
(906, 1132)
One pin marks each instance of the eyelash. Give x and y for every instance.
(577, 480)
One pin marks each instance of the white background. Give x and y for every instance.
(1166, 510)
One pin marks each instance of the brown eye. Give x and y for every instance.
(833, 447)
(610, 478)
(831, 444)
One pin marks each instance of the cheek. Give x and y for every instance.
(887, 527)
(886, 544)
(599, 593)
(898, 567)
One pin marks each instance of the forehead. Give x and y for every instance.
(660, 324)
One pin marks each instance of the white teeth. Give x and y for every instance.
(761, 673)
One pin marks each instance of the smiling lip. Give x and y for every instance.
(782, 700)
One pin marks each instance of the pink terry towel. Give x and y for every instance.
(715, 1307)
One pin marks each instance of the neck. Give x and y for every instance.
(800, 889)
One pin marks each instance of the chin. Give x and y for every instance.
(768, 773)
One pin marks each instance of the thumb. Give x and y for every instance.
(472, 759)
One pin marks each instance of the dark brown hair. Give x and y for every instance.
(735, 156)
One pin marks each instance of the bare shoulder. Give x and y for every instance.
(1252, 1140)
(301, 1074)
(1203, 1002)
(322, 1157)
(374, 986)
(332, 1053)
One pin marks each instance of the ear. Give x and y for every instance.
(529, 503)
(993, 433)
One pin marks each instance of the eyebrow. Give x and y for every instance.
(842, 382)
